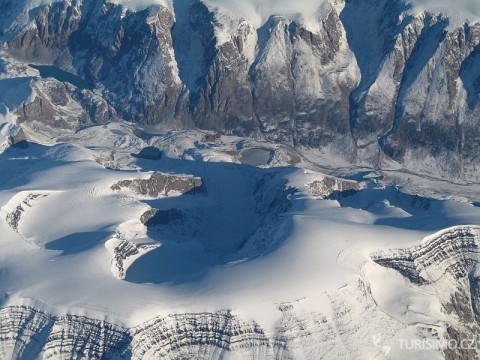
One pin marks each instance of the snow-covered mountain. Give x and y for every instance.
(232, 179)
(367, 80)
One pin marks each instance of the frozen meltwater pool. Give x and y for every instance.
(50, 71)
(256, 156)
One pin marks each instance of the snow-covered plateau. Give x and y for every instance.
(199, 254)
(252, 179)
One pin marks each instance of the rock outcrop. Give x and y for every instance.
(328, 186)
(11, 135)
(124, 253)
(12, 212)
(160, 185)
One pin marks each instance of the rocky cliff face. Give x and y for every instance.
(18, 206)
(446, 265)
(28, 333)
(363, 77)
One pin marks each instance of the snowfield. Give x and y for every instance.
(254, 240)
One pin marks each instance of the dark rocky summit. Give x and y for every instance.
(161, 185)
(328, 186)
